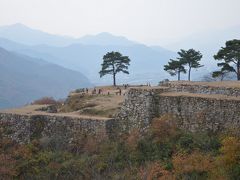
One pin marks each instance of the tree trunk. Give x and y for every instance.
(114, 79)
(222, 77)
(178, 75)
(114, 75)
(189, 74)
(238, 70)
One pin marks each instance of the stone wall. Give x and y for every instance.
(139, 108)
(193, 112)
(200, 109)
(201, 113)
(201, 88)
(24, 128)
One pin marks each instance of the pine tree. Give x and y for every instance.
(175, 67)
(230, 55)
(113, 63)
(191, 58)
(225, 69)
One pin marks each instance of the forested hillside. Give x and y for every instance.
(23, 79)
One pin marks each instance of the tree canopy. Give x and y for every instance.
(113, 63)
(230, 57)
(191, 58)
(175, 67)
(223, 72)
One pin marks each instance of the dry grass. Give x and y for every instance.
(86, 105)
(208, 96)
(102, 105)
(33, 110)
(45, 100)
(227, 84)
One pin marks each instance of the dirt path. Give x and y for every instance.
(33, 110)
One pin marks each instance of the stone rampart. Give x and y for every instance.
(193, 112)
(194, 108)
(138, 109)
(24, 128)
(201, 112)
(204, 88)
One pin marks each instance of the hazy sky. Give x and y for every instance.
(147, 21)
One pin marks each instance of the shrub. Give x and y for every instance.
(192, 166)
(154, 170)
(228, 162)
(186, 142)
(150, 151)
(131, 139)
(164, 152)
(163, 129)
(206, 142)
(7, 167)
(45, 100)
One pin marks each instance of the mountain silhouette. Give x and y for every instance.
(23, 79)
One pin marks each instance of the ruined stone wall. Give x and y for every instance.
(139, 108)
(198, 111)
(192, 112)
(24, 128)
(202, 89)
(201, 113)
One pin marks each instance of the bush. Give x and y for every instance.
(188, 142)
(228, 162)
(154, 170)
(163, 129)
(192, 166)
(45, 100)
(164, 152)
(7, 166)
(150, 151)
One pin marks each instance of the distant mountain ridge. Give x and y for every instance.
(28, 36)
(35, 63)
(88, 58)
(105, 39)
(85, 54)
(23, 79)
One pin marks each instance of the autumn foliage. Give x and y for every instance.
(163, 152)
(45, 100)
(192, 166)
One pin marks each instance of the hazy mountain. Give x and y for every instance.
(87, 56)
(88, 59)
(12, 45)
(23, 79)
(105, 39)
(25, 35)
(28, 36)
